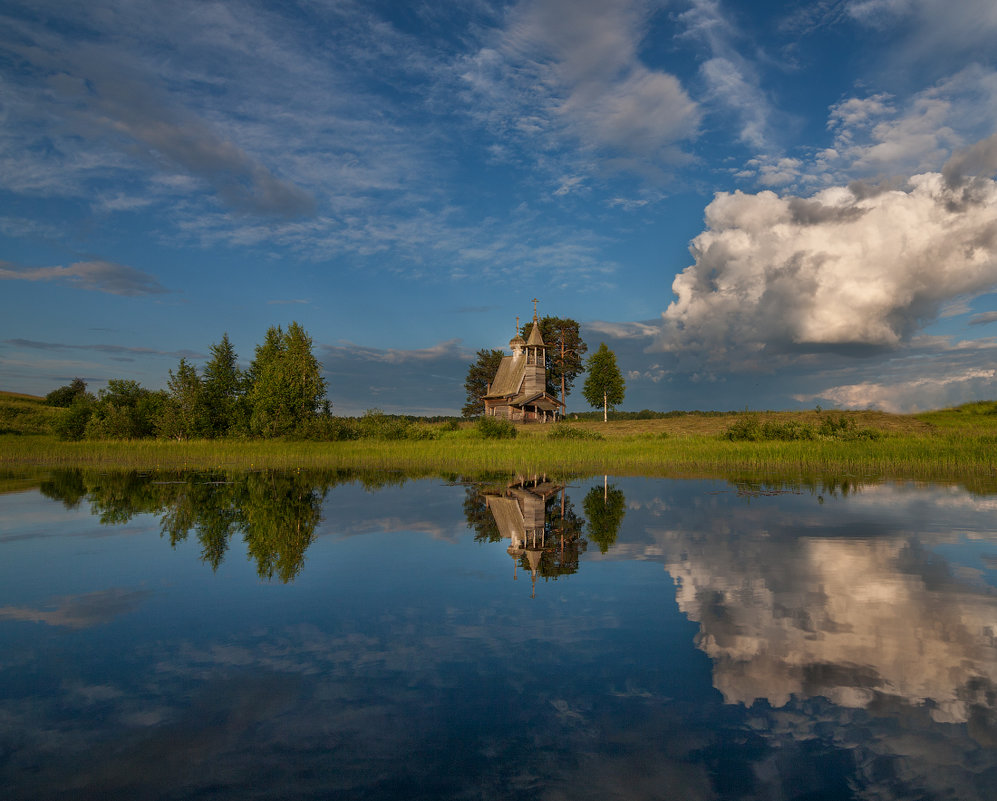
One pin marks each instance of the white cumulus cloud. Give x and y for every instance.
(929, 392)
(845, 267)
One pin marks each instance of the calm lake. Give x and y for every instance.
(317, 636)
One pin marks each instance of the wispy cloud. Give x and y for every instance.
(100, 276)
(106, 94)
(984, 318)
(450, 348)
(111, 349)
(733, 85)
(562, 71)
(932, 31)
(80, 611)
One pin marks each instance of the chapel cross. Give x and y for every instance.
(535, 307)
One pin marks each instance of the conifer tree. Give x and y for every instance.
(223, 388)
(184, 414)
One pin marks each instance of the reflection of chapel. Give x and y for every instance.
(519, 389)
(520, 515)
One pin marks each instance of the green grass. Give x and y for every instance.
(924, 458)
(25, 414)
(947, 445)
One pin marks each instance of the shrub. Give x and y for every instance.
(749, 429)
(561, 431)
(71, 424)
(744, 429)
(65, 396)
(423, 431)
(326, 428)
(375, 424)
(495, 428)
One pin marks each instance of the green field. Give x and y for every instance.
(958, 444)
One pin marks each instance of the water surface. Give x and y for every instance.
(313, 636)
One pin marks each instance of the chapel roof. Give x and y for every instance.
(535, 338)
(508, 377)
(541, 400)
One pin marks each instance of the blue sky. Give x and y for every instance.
(755, 204)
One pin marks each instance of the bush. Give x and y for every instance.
(125, 410)
(749, 429)
(744, 429)
(495, 428)
(424, 431)
(326, 428)
(72, 423)
(66, 395)
(375, 424)
(562, 431)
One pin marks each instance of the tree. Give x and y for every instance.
(125, 410)
(285, 384)
(223, 386)
(565, 348)
(304, 374)
(604, 385)
(185, 414)
(479, 374)
(71, 424)
(66, 395)
(604, 507)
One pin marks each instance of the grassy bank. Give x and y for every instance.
(954, 444)
(944, 457)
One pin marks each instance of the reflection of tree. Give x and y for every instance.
(604, 507)
(279, 515)
(479, 519)
(66, 486)
(566, 527)
(211, 508)
(114, 497)
(276, 512)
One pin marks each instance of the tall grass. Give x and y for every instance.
(942, 456)
(951, 444)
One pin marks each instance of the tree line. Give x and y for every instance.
(281, 393)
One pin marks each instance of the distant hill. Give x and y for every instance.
(20, 396)
(25, 414)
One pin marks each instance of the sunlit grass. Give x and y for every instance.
(932, 455)
(25, 414)
(952, 444)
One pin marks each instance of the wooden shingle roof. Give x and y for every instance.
(535, 338)
(508, 377)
